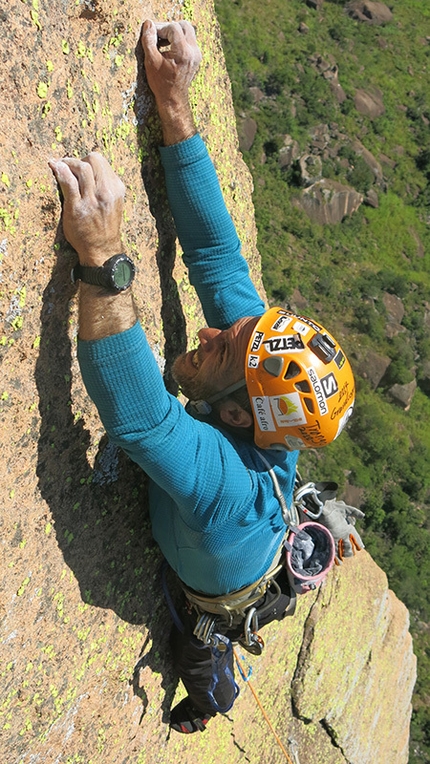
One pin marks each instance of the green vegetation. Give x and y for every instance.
(344, 272)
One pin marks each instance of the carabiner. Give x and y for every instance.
(309, 489)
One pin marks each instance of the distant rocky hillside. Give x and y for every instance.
(86, 671)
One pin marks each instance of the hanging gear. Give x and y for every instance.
(309, 498)
(300, 383)
(235, 610)
(222, 659)
(318, 501)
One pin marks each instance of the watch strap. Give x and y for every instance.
(90, 275)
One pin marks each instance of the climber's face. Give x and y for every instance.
(217, 362)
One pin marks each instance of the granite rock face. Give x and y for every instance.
(85, 662)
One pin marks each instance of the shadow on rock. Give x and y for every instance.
(149, 138)
(100, 513)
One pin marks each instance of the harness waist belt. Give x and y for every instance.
(238, 601)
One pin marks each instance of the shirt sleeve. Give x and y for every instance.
(192, 461)
(212, 250)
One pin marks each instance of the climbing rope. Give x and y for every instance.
(271, 727)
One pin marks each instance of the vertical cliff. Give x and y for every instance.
(86, 673)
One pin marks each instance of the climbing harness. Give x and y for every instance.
(230, 611)
(232, 607)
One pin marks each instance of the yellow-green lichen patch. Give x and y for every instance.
(42, 89)
(23, 586)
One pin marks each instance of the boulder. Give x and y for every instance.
(370, 160)
(321, 63)
(402, 394)
(391, 163)
(247, 130)
(392, 329)
(395, 312)
(288, 153)
(371, 198)
(332, 75)
(320, 135)
(369, 103)
(328, 201)
(394, 307)
(373, 367)
(256, 94)
(369, 12)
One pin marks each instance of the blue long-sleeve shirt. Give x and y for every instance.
(212, 504)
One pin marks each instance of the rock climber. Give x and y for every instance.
(262, 384)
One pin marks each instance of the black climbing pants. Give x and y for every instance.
(193, 659)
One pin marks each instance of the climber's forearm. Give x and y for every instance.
(102, 314)
(177, 121)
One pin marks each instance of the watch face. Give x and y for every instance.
(123, 274)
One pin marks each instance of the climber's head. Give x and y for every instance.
(299, 382)
(297, 390)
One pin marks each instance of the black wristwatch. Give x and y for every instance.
(116, 274)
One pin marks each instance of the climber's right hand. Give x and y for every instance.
(93, 201)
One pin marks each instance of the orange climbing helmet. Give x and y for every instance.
(299, 381)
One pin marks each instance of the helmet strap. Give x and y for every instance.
(204, 408)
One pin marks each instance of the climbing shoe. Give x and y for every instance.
(187, 719)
